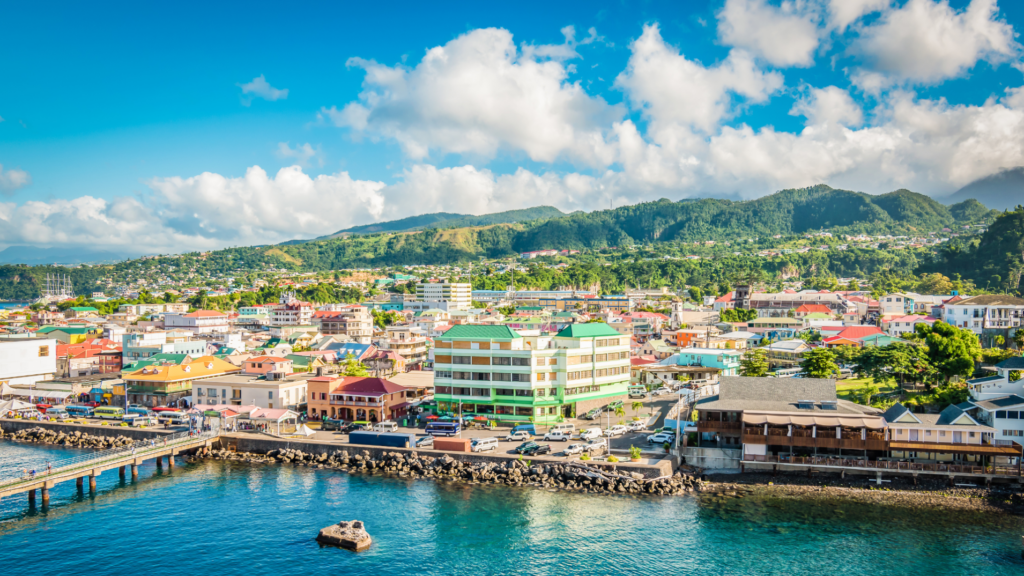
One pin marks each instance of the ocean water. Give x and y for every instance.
(229, 518)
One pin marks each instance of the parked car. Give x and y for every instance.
(329, 424)
(595, 446)
(661, 438)
(636, 425)
(537, 450)
(661, 391)
(517, 436)
(574, 449)
(590, 433)
(617, 430)
(91, 404)
(522, 448)
(593, 414)
(557, 436)
(385, 427)
(483, 444)
(425, 441)
(353, 427)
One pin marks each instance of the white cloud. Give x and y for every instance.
(301, 154)
(927, 42)
(785, 35)
(842, 13)
(259, 87)
(674, 90)
(13, 179)
(829, 105)
(479, 94)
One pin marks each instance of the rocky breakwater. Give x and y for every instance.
(575, 476)
(349, 535)
(73, 439)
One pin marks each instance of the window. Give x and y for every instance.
(501, 361)
(942, 433)
(520, 377)
(199, 391)
(520, 361)
(44, 351)
(462, 359)
(498, 377)
(443, 374)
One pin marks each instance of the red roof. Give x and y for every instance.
(858, 332)
(812, 308)
(367, 386)
(726, 298)
(642, 361)
(267, 359)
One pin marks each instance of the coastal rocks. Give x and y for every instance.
(74, 439)
(575, 476)
(349, 535)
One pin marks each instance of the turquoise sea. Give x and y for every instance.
(228, 518)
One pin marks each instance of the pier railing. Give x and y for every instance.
(85, 462)
(887, 465)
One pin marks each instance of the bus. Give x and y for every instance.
(108, 413)
(171, 418)
(79, 411)
(788, 372)
(443, 428)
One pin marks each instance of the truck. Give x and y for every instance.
(390, 439)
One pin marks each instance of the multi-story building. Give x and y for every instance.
(292, 313)
(779, 305)
(497, 372)
(595, 303)
(459, 296)
(148, 309)
(142, 345)
(168, 385)
(28, 360)
(359, 399)
(272, 390)
(727, 361)
(409, 342)
(903, 303)
(198, 322)
(786, 354)
(989, 312)
(352, 321)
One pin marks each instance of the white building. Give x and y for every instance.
(458, 295)
(904, 303)
(26, 361)
(270, 391)
(198, 322)
(993, 311)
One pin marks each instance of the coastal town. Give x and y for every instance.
(900, 384)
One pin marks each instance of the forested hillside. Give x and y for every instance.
(449, 220)
(995, 260)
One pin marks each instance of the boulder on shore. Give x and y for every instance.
(348, 535)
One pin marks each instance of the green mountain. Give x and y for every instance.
(450, 220)
(994, 261)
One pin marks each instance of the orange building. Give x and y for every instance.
(353, 398)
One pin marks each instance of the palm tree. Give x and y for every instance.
(620, 411)
(637, 405)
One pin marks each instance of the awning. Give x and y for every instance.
(49, 394)
(826, 421)
(802, 420)
(754, 419)
(779, 420)
(809, 420)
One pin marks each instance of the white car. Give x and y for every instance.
(574, 449)
(557, 436)
(661, 438)
(590, 434)
(636, 425)
(596, 446)
(660, 392)
(617, 430)
(519, 436)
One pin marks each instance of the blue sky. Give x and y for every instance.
(131, 125)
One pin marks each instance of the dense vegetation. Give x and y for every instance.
(449, 220)
(994, 260)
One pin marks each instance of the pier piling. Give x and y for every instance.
(32, 498)
(79, 482)
(159, 463)
(45, 493)
(170, 461)
(120, 472)
(92, 483)
(135, 471)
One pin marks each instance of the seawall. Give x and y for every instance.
(11, 426)
(262, 445)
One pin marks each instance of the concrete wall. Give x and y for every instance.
(10, 426)
(262, 445)
(712, 458)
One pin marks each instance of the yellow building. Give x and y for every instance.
(168, 385)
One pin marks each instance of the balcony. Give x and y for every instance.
(803, 438)
(885, 465)
(355, 403)
(718, 426)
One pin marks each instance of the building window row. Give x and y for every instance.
(582, 390)
(579, 375)
(1010, 415)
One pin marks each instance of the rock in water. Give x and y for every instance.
(348, 535)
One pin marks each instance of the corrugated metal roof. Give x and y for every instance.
(590, 330)
(482, 332)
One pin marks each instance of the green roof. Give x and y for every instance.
(47, 329)
(480, 332)
(84, 309)
(529, 308)
(69, 330)
(589, 330)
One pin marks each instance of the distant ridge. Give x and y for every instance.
(1003, 190)
(34, 256)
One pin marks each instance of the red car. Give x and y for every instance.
(42, 407)
(90, 404)
(159, 409)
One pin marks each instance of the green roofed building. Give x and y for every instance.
(496, 372)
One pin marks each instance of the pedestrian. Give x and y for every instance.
(49, 468)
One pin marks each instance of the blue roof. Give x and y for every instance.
(345, 348)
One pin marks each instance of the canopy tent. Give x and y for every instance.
(305, 430)
(48, 394)
(275, 416)
(6, 390)
(15, 406)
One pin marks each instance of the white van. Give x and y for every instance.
(57, 413)
(567, 429)
(385, 427)
(483, 444)
(590, 433)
